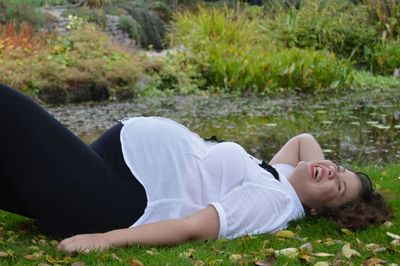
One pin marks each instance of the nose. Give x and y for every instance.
(332, 172)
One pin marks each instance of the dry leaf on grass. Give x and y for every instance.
(395, 242)
(287, 252)
(346, 231)
(393, 235)
(284, 234)
(3, 254)
(321, 263)
(135, 262)
(78, 263)
(387, 224)
(373, 262)
(322, 254)
(306, 248)
(348, 252)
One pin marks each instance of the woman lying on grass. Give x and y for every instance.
(151, 181)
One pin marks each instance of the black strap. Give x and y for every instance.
(270, 169)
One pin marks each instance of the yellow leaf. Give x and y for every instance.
(306, 248)
(387, 224)
(305, 258)
(322, 263)
(346, 231)
(235, 258)
(393, 235)
(322, 254)
(395, 242)
(373, 262)
(78, 263)
(288, 252)
(3, 254)
(348, 252)
(135, 262)
(284, 234)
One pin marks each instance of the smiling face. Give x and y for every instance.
(323, 184)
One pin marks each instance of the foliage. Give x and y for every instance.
(175, 73)
(325, 25)
(20, 11)
(131, 26)
(153, 27)
(385, 57)
(385, 14)
(95, 4)
(367, 80)
(89, 15)
(81, 66)
(233, 54)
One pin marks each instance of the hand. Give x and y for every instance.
(84, 243)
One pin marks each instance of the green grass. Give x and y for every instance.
(21, 238)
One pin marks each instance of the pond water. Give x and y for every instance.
(353, 128)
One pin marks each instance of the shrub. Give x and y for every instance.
(176, 73)
(385, 57)
(78, 67)
(338, 26)
(132, 27)
(20, 11)
(232, 53)
(153, 27)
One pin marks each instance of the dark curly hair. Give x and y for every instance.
(369, 208)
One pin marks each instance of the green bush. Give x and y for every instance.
(79, 67)
(132, 27)
(338, 26)
(21, 11)
(385, 57)
(233, 53)
(176, 73)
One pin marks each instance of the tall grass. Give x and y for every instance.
(235, 54)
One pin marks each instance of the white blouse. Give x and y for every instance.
(182, 174)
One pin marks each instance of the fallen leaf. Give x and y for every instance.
(305, 258)
(395, 242)
(373, 262)
(387, 224)
(54, 260)
(151, 252)
(287, 252)
(54, 243)
(322, 254)
(43, 264)
(348, 252)
(116, 257)
(34, 247)
(236, 258)
(322, 263)
(375, 248)
(78, 263)
(3, 254)
(393, 235)
(284, 234)
(34, 256)
(306, 248)
(135, 262)
(262, 263)
(346, 231)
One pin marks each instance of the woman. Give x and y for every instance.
(150, 180)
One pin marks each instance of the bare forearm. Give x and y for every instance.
(162, 233)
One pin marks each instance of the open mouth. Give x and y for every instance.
(316, 172)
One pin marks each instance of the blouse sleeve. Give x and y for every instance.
(253, 209)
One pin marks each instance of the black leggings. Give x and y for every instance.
(49, 174)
